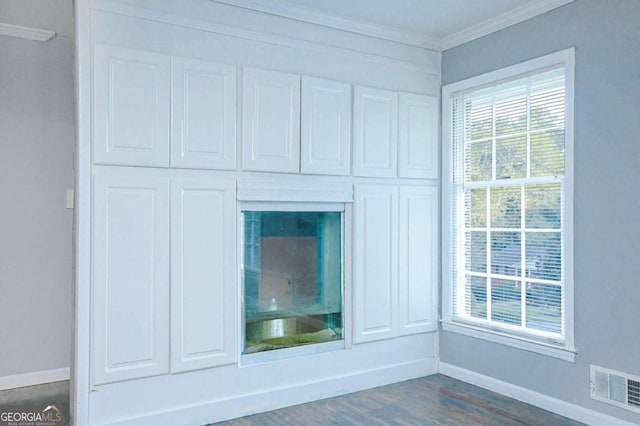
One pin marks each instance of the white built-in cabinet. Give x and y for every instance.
(164, 241)
(375, 132)
(131, 106)
(203, 114)
(418, 136)
(130, 264)
(203, 279)
(395, 134)
(395, 261)
(418, 259)
(158, 110)
(375, 262)
(270, 121)
(295, 124)
(163, 273)
(326, 127)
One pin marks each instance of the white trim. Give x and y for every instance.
(502, 21)
(34, 378)
(555, 351)
(25, 32)
(557, 406)
(294, 192)
(80, 361)
(567, 59)
(272, 399)
(314, 16)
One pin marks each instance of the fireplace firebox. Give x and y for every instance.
(292, 273)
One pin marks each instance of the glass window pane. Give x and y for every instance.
(544, 255)
(479, 119)
(544, 307)
(547, 107)
(511, 157)
(505, 206)
(476, 208)
(505, 253)
(478, 161)
(543, 205)
(511, 115)
(292, 273)
(476, 297)
(505, 301)
(476, 251)
(547, 153)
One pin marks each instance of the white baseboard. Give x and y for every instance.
(557, 406)
(244, 405)
(34, 378)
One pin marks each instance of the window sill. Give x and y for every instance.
(555, 351)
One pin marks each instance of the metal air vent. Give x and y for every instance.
(615, 388)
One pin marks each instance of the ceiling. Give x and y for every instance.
(435, 18)
(434, 24)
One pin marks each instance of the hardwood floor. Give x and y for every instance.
(433, 400)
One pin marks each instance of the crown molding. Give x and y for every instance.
(26, 32)
(514, 16)
(305, 14)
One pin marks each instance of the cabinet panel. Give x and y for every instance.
(131, 107)
(375, 137)
(418, 259)
(418, 137)
(271, 121)
(326, 127)
(130, 312)
(203, 304)
(203, 114)
(375, 262)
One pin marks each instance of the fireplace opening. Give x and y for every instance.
(292, 271)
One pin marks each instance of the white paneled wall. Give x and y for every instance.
(181, 113)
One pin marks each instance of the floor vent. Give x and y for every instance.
(616, 388)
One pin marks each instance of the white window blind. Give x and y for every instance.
(508, 200)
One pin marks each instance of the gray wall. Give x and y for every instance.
(36, 167)
(606, 34)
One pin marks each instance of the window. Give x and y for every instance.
(508, 202)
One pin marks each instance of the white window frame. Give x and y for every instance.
(564, 349)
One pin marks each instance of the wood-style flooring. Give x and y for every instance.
(433, 400)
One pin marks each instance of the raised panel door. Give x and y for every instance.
(418, 259)
(130, 263)
(375, 132)
(375, 259)
(270, 121)
(203, 301)
(326, 127)
(203, 118)
(131, 107)
(418, 136)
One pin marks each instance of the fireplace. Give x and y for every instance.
(292, 275)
